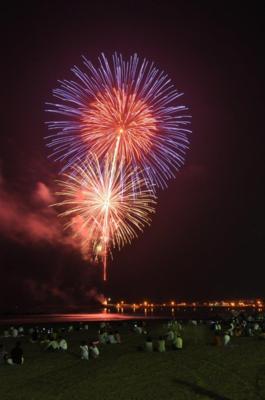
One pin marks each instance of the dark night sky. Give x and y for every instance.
(207, 237)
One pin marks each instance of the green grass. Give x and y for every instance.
(200, 371)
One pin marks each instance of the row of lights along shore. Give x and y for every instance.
(224, 303)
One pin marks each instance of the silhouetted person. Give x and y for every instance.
(3, 355)
(16, 355)
(34, 336)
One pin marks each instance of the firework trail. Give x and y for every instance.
(132, 99)
(101, 212)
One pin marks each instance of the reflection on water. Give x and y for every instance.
(105, 315)
(59, 318)
(118, 314)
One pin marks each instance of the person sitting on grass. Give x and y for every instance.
(3, 355)
(117, 337)
(161, 345)
(227, 338)
(178, 342)
(52, 345)
(217, 327)
(63, 345)
(21, 331)
(16, 355)
(148, 344)
(34, 336)
(30, 330)
(102, 336)
(111, 338)
(54, 334)
(45, 339)
(102, 325)
(170, 335)
(94, 351)
(14, 332)
(177, 326)
(138, 329)
(84, 351)
(238, 331)
(249, 330)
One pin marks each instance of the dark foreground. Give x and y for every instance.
(200, 371)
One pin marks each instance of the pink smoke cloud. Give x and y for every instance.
(43, 291)
(51, 291)
(94, 294)
(22, 222)
(30, 220)
(43, 194)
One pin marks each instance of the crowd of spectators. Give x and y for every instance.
(56, 340)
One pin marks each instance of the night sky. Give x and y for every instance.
(206, 240)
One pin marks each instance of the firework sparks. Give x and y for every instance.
(130, 98)
(122, 134)
(101, 212)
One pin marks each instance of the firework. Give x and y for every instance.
(131, 100)
(102, 213)
(119, 133)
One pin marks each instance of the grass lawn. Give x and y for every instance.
(200, 371)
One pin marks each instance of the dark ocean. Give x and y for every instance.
(112, 314)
